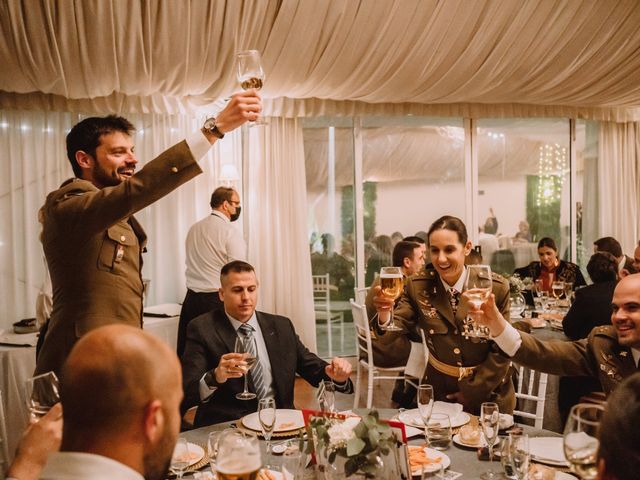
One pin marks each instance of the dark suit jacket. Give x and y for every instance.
(591, 308)
(93, 246)
(211, 335)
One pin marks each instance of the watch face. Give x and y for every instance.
(210, 123)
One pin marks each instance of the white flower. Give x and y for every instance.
(341, 432)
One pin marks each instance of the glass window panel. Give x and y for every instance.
(413, 173)
(328, 145)
(523, 178)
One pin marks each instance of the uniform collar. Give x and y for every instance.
(459, 285)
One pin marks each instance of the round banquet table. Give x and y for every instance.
(463, 460)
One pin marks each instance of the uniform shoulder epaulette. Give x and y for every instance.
(605, 331)
(496, 277)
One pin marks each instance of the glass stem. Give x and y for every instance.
(246, 387)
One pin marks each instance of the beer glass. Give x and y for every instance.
(439, 431)
(238, 455)
(42, 394)
(581, 439)
(478, 286)
(391, 282)
(246, 344)
(489, 420)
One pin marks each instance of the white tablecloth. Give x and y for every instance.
(18, 363)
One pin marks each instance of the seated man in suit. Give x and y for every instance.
(213, 373)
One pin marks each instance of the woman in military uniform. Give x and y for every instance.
(464, 370)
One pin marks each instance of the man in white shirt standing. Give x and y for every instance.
(211, 243)
(611, 353)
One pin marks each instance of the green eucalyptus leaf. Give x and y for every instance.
(354, 446)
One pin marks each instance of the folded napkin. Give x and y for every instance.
(451, 409)
(19, 340)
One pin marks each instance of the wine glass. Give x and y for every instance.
(238, 454)
(489, 419)
(391, 282)
(581, 439)
(180, 457)
(250, 73)
(267, 417)
(42, 394)
(478, 286)
(246, 345)
(327, 398)
(425, 400)
(212, 449)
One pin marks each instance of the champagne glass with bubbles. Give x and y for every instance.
(391, 282)
(478, 286)
(246, 345)
(251, 73)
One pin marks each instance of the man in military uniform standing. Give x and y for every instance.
(469, 371)
(92, 242)
(610, 353)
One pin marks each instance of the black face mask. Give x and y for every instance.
(236, 215)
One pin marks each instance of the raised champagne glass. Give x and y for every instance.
(581, 439)
(477, 286)
(391, 282)
(246, 345)
(251, 73)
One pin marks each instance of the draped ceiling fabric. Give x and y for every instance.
(454, 57)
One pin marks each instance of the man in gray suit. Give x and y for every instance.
(213, 373)
(92, 242)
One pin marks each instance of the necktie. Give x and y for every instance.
(257, 374)
(453, 299)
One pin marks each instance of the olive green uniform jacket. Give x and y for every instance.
(425, 305)
(94, 245)
(599, 355)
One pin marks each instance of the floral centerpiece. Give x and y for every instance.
(517, 284)
(361, 442)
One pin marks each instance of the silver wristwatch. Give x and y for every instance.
(211, 127)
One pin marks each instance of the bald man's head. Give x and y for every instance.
(115, 381)
(626, 311)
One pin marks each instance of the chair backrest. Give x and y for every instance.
(363, 334)
(321, 291)
(361, 294)
(418, 358)
(530, 394)
(4, 448)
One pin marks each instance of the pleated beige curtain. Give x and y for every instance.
(275, 194)
(619, 189)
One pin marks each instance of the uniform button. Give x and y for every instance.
(122, 238)
(456, 351)
(455, 332)
(174, 169)
(431, 332)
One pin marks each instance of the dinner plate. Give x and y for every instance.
(548, 450)
(433, 454)
(413, 418)
(286, 421)
(196, 452)
(457, 439)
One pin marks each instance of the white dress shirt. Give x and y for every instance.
(80, 466)
(263, 357)
(211, 244)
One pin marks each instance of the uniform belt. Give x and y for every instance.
(450, 370)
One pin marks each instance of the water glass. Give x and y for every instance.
(293, 464)
(42, 393)
(439, 431)
(327, 399)
(581, 439)
(180, 458)
(427, 472)
(212, 449)
(519, 447)
(506, 459)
